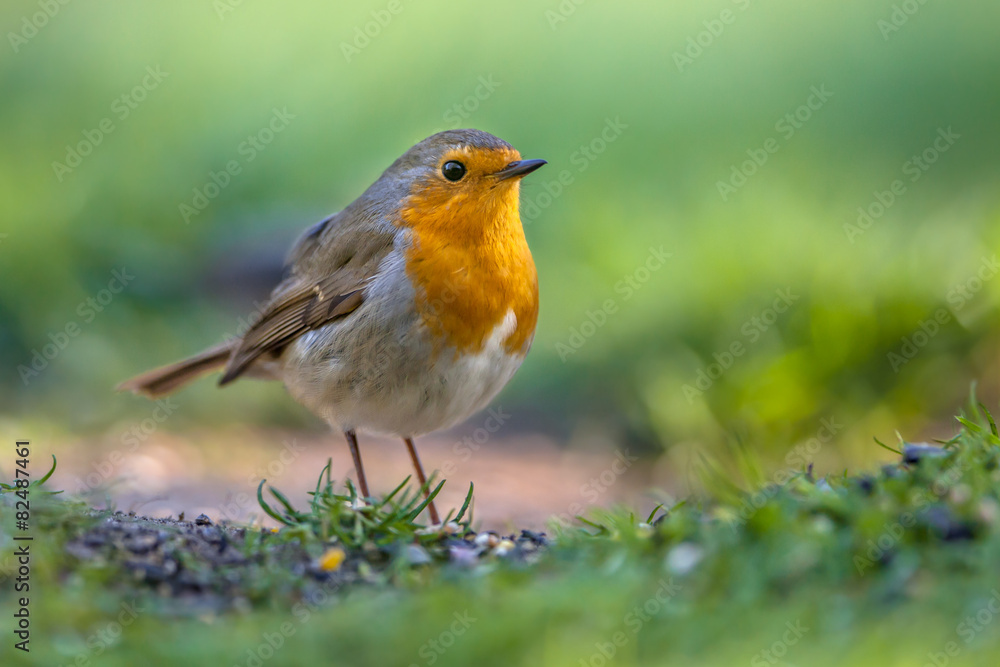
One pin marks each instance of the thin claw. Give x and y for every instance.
(352, 442)
(421, 478)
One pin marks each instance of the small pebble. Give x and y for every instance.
(866, 483)
(912, 453)
(332, 559)
(504, 547)
(988, 511)
(466, 556)
(684, 557)
(961, 494)
(943, 521)
(528, 545)
(823, 524)
(487, 540)
(417, 555)
(141, 543)
(357, 504)
(203, 520)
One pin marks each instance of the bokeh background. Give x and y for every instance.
(641, 108)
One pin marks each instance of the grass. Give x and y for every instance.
(896, 565)
(353, 521)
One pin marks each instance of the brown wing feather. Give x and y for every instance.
(291, 315)
(332, 264)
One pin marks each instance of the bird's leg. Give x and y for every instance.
(421, 478)
(352, 442)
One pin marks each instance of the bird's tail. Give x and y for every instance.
(167, 379)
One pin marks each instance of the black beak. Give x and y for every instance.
(518, 169)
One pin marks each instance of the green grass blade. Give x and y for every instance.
(46, 476)
(989, 418)
(392, 494)
(885, 446)
(267, 508)
(652, 514)
(314, 503)
(971, 425)
(427, 501)
(465, 505)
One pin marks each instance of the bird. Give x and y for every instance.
(402, 314)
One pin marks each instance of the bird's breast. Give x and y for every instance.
(467, 294)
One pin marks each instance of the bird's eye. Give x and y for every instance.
(453, 170)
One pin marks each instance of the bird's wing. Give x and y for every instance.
(333, 286)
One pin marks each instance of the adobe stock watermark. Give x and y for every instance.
(237, 503)
(958, 297)
(140, 433)
(224, 7)
(776, 652)
(697, 44)
(272, 642)
(458, 113)
(796, 460)
(432, 650)
(130, 441)
(581, 158)
(752, 330)
(87, 310)
(911, 345)
(914, 169)
(108, 636)
(967, 630)
(878, 547)
(597, 486)
(786, 127)
(244, 322)
(463, 450)
(363, 35)
(31, 25)
(892, 533)
(388, 354)
(961, 294)
(625, 288)
(898, 17)
(247, 151)
(121, 108)
(313, 600)
(562, 12)
(632, 624)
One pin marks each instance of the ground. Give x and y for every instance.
(891, 566)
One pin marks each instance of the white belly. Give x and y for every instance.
(470, 382)
(384, 377)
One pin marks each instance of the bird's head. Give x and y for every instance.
(464, 182)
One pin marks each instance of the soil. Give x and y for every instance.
(520, 481)
(197, 565)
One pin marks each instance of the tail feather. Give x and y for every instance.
(167, 379)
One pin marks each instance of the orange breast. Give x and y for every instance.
(471, 265)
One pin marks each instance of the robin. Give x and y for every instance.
(404, 313)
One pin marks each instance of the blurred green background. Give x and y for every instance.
(641, 107)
